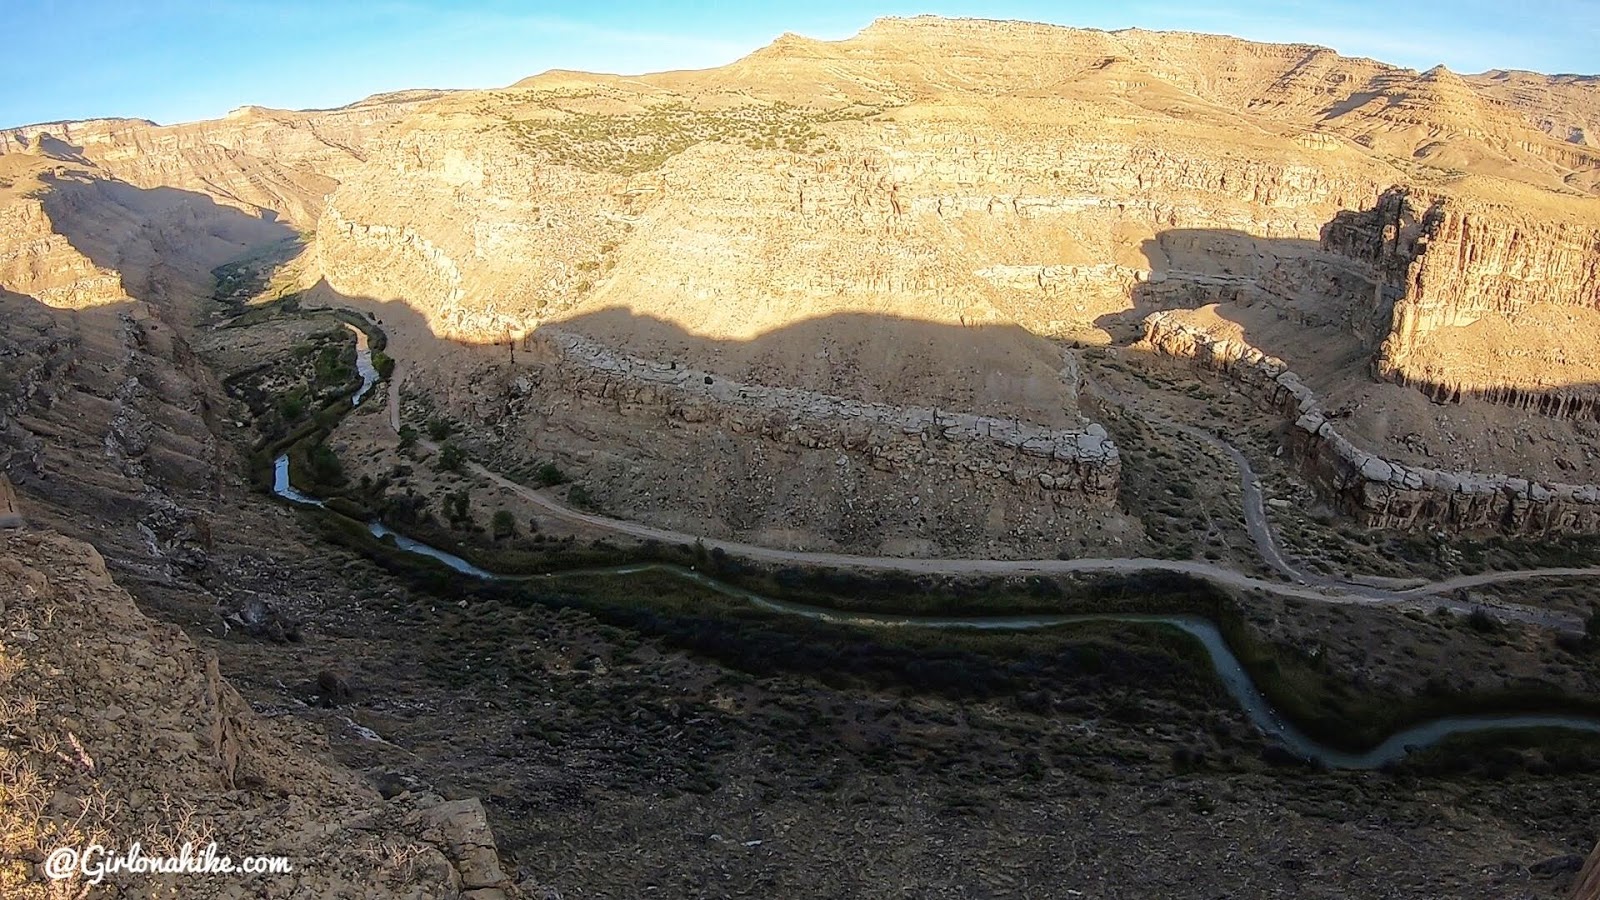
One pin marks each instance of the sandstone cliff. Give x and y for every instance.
(1483, 301)
(259, 160)
(928, 177)
(115, 729)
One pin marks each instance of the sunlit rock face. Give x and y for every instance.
(921, 217)
(1484, 300)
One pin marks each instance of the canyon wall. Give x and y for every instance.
(105, 410)
(280, 163)
(39, 261)
(1375, 490)
(1482, 301)
(1070, 464)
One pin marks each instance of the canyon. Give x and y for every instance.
(894, 205)
(862, 297)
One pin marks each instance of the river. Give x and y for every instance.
(1227, 666)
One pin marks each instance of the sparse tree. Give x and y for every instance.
(458, 506)
(450, 458)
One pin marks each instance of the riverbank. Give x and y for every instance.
(1286, 695)
(1308, 713)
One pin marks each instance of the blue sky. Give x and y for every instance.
(178, 60)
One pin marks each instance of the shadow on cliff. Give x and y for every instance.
(997, 369)
(1285, 296)
(163, 241)
(1323, 313)
(95, 370)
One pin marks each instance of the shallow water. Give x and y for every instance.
(364, 366)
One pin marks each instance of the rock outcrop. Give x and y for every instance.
(1482, 301)
(10, 513)
(1071, 463)
(116, 730)
(1376, 490)
(1588, 885)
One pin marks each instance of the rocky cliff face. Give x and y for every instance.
(258, 160)
(1078, 461)
(1379, 491)
(105, 411)
(956, 174)
(1481, 301)
(116, 729)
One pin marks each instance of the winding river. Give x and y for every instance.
(1228, 668)
(364, 366)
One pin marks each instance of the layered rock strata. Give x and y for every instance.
(1068, 462)
(1375, 490)
(1481, 301)
(259, 160)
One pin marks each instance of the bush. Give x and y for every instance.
(548, 475)
(325, 466)
(451, 457)
(330, 367)
(383, 362)
(439, 429)
(405, 509)
(292, 405)
(1483, 622)
(458, 506)
(408, 436)
(578, 496)
(504, 524)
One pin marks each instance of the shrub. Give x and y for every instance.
(439, 429)
(1483, 621)
(408, 436)
(330, 367)
(325, 466)
(458, 506)
(451, 457)
(548, 475)
(504, 524)
(578, 496)
(383, 362)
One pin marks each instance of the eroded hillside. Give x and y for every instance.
(116, 729)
